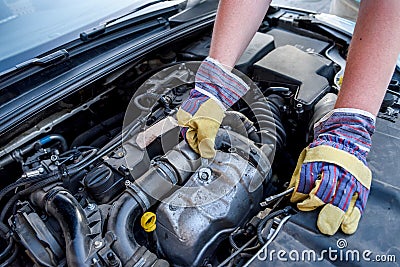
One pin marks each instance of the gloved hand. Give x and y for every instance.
(216, 89)
(333, 171)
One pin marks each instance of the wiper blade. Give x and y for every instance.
(99, 30)
(53, 58)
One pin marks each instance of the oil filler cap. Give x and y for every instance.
(148, 221)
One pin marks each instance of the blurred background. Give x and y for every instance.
(344, 8)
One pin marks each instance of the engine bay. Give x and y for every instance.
(103, 178)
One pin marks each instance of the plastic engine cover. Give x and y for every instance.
(288, 64)
(194, 219)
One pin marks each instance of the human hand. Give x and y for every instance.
(332, 171)
(216, 89)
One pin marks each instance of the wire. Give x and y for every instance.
(26, 191)
(234, 254)
(264, 221)
(11, 258)
(7, 250)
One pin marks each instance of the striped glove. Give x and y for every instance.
(332, 171)
(200, 116)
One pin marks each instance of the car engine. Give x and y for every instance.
(112, 183)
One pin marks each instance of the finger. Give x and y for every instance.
(332, 215)
(351, 217)
(312, 202)
(310, 173)
(327, 188)
(324, 188)
(206, 132)
(191, 139)
(295, 180)
(346, 187)
(329, 219)
(206, 148)
(363, 194)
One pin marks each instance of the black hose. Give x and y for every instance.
(29, 190)
(97, 130)
(122, 216)
(11, 259)
(121, 220)
(61, 205)
(4, 230)
(264, 221)
(238, 122)
(17, 184)
(55, 137)
(235, 246)
(19, 153)
(102, 140)
(10, 247)
(267, 116)
(237, 252)
(91, 154)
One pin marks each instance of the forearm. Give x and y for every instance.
(372, 56)
(235, 25)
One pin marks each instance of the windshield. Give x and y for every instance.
(31, 27)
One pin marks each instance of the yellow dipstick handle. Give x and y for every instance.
(148, 221)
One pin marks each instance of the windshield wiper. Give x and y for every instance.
(101, 29)
(53, 58)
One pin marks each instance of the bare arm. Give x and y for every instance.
(235, 25)
(372, 56)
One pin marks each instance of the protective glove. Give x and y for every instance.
(332, 171)
(216, 89)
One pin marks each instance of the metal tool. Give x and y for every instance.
(272, 198)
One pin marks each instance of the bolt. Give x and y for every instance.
(91, 206)
(204, 174)
(40, 170)
(232, 149)
(97, 244)
(54, 158)
(112, 259)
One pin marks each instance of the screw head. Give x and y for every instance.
(204, 174)
(97, 244)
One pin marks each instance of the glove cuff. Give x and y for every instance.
(346, 129)
(349, 111)
(218, 83)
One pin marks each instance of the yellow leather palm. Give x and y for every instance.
(202, 127)
(330, 217)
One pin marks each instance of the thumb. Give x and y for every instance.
(206, 148)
